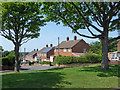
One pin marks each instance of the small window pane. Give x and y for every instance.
(64, 50)
(69, 50)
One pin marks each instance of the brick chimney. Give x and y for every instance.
(75, 38)
(46, 45)
(118, 45)
(51, 45)
(67, 38)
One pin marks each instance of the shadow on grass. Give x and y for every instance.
(114, 70)
(34, 80)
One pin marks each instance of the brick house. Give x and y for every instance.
(30, 56)
(46, 52)
(72, 47)
(115, 55)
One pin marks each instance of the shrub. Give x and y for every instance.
(5, 61)
(11, 60)
(36, 61)
(30, 63)
(64, 59)
(46, 62)
(92, 58)
(27, 62)
(8, 60)
(88, 58)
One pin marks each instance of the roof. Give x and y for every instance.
(47, 49)
(32, 53)
(68, 44)
(42, 50)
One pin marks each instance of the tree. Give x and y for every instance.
(21, 22)
(99, 18)
(96, 47)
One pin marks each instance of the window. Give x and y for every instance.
(55, 50)
(69, 50)
(84, 50)
(64, 50)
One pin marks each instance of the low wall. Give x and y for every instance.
(114, 62)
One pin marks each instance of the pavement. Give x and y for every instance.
(31, 68)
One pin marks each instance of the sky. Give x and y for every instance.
(49, 35)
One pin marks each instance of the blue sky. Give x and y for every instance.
(49, 35)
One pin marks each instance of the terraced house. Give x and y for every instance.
(72, 47)
(45, 53)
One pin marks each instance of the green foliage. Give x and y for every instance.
(30, 63)
(8, 60)
(88, 58)
(46, 62)
(96, 47)
(5, 53)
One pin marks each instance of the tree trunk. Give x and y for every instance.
(104, 64)
(17, 64)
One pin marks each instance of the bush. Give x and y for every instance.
(27, 62)
(8, 60)
(36, 61)
(46, 62)
(92, 58)
(87, 58)
(30, 63)
(64, 59)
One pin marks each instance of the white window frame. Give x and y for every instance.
(84, 50)
(64, 50)
(69, 50)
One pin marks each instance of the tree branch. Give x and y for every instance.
(85, 19)
(94, 15)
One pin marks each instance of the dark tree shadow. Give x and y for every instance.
(36, 79)
(114, 70)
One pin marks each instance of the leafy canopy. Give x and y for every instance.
(21, 21)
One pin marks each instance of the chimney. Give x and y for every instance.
(46, 45)
(37, 49)
(67, 38)
(75, 38)
(34, 49)
(51, 45)
(118, 45)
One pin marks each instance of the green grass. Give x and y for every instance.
(73, 77)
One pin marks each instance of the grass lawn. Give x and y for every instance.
(73, 77)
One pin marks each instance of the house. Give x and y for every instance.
(46, 52)
(72, 47)
(115, 55)
(30, 56)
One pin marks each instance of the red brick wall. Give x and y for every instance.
(51, 52)
(63, 53)
(80, 46)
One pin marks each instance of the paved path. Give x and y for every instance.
(31, 68)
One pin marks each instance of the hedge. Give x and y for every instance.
(87, 58)
(8, 60)
(46, 62)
